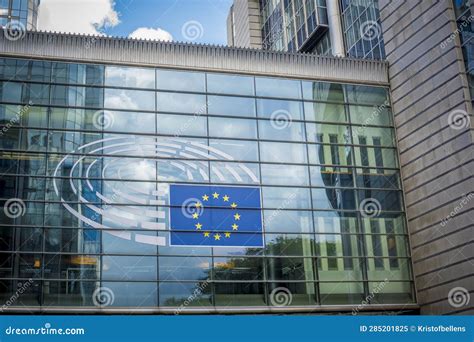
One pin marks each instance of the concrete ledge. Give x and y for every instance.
(112, 50)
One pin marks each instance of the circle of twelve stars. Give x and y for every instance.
(199, 226)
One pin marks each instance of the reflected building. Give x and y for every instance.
(89, 151)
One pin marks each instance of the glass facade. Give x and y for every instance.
(293, 25)
(362, 29)
(88, 153)
(464, 10)
(22, 11)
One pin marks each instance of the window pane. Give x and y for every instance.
(322, 91)
(134, 294)
(77, 74)
(129, 99)
(129, 77)
(374, 136)
(231, 106)
(325, 112)
(230, 84)
(76, 96)
(235, 173)
(238, 268)
(236, 149)
(369, 95)
(184, 268)
(286, 198)
(341, 293)
(378, 178)
(301, 293)
(335, 222)
(280, 109)
(283, 129)
(288, 221)
(180, 80)
(387, 292)
(330, 154)
(327, 133)
(178, 294)
(331, 176)
(370, 115)
(239, 294)
(290, 269)
(25, 70)
(383, 199)
(337, 245)
(37, 94)
(333, 198)
(23, 116)
(293, 175)
(181, 124)
(375, 157)
(289, 244)
(278, 87)
(232, 128)
(181, 103)
(282, 152)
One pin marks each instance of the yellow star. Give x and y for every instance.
(226, 198)
(237, 217)
(198, 204)
(198, 226)
(227, 235)
(217, 237)
(233, 205)
(235, 227)
(206, 234)
(215, 195)
(205, 197)
(195, 215)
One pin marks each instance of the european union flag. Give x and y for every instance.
(206, 215)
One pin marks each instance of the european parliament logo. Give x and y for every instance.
(215, 216)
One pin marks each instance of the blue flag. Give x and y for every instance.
(206, 215)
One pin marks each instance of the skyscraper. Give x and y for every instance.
(21, 13)
(325, 27)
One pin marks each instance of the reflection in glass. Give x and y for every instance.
(231, 106)
(278, 87)
(230, 84)
(129, 77)
(293, 175)
(180, 80)
(129, 99)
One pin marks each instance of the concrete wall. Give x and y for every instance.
(247, 30)
(429, 89)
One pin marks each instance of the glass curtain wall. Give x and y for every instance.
(87, 154)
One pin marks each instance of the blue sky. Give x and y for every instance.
(203, 20)
(171, 15)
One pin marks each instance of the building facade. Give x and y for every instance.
(19, 14)
(93, 141)
(325, 27)
(429, 51)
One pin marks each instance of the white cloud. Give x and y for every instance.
(77, 16)
(151, 33)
